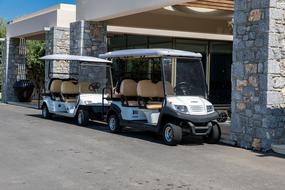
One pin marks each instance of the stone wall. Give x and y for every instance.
(57, 42)
(88, 38)
(1, 67)
(258, 73)
(14, 58)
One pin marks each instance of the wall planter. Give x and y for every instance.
(24, 90)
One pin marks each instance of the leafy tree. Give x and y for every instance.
(2, 28)
(35, 67)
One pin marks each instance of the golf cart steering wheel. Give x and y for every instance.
(94, 86)
(182, 88)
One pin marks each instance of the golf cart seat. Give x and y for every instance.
(128, 92)
(148, 92)
(84, 88)
(55, 89)
(168, 89)
(69, 91)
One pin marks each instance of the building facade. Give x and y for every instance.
(241, 41)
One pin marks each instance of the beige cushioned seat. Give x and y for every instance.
(84, 88)
(55, 86)
(154, 105)
(168, 88)
(147, 89)
(69, 91)
(55, 89)
(128, 88)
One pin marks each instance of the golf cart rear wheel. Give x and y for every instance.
(45, 112)
(114, 124)
(172, 134)
(82, 117)
(215, 134)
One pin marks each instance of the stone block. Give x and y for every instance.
(252, 80)
(283, 92)
(254, 15)
(278, 82)
(241, 106)
(274, 98)
(256, 144)
(251, 68)
(241, 84)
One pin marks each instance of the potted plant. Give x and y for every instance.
(24, 90)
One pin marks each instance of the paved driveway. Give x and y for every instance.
(38, 154)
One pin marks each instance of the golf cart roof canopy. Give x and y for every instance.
(150, 53)
(66, 57)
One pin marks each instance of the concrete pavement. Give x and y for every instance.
(56, 154)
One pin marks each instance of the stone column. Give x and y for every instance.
(57, 42)
(88, 38)
(258, 73)
(12, 58)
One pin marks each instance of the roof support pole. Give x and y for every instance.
(88, 38)
(13, 60)
(57, 41)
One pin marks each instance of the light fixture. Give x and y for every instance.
(189, 8)
(201, 10)
(169, 8)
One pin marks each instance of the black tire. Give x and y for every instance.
(223, 117)
(172, 134)
(215, 134)
(82, 117)
(114, 124)
(45, 112)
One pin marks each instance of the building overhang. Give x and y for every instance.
(200, 19)
(98, 10)
(169, 33)
(34, 25)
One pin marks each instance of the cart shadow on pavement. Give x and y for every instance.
(144, 135)
(127, 132)
(270, 154)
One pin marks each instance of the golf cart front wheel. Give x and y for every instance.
(114, 124)
(172, 134)
(45, 112)
(215, 134)
(82, 117)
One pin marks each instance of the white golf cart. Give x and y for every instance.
(164, 91)
(84, 96)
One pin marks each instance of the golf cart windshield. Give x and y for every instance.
(185, 75)
(93, 78)
(91, 74)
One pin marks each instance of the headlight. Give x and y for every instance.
(210, 108)
(181, 108)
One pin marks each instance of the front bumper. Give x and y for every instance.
(198, 125)
(200, 130)
(198, 118)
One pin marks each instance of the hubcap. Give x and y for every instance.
(112, 123)
(45, 112)
(80, 119)
(168, 133)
